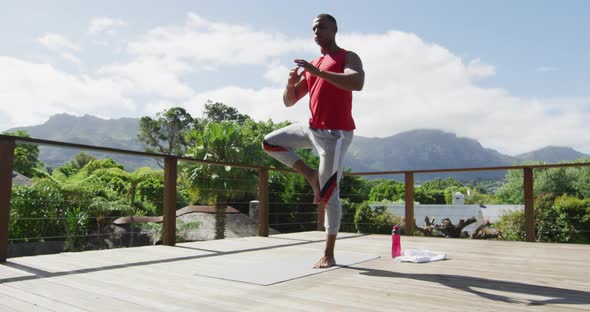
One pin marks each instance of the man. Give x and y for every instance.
(329, 80)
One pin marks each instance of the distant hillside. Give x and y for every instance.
(416, 149)
(552, 154)
(91, 130)
(425, 149)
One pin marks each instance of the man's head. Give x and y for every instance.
(324, 28)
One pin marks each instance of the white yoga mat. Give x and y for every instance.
(266, 268)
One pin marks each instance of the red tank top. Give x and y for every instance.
(331, 107)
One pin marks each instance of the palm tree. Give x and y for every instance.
(134, 179)
(73, 190)
(219, 141)
(101, 208)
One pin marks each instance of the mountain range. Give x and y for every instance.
(416, 149)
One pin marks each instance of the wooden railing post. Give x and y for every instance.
(409, 198)
(170, 177)
(263, 213)
(529, 206)
(6, 161)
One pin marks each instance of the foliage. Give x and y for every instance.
(438, 191)
(574, 215)
(219, 142)
(379, 221)
(354, 188)
(166, 133)
(26, 156)
(216, 184)
(556, 181)
(81, 160)
(387, 190)
(477, 198)
(150, 197)
(440, 184)
(557, 219)
(34, 213)
(130, 180)
(511, 225)
(219, 112)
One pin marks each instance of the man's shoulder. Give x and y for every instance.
(352, 57)
(351, 53)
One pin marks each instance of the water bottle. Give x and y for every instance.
(396, 244)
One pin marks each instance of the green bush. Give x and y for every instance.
(35, 213)
(575, 213)
(379, 221)
(564, 219)
(511, 225)
(387, 190)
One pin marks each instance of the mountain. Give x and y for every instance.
(552, 154)
(425, 149)
(115, 133)
(416, 149)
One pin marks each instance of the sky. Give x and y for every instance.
(513, 75)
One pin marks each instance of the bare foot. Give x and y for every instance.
(325, 262)
(314, 181)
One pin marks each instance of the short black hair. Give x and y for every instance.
(329, 17)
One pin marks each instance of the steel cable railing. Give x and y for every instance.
(295, 212)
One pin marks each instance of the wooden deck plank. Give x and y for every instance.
(481, 275)
(23, 300)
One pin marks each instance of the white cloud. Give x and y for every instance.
(260, 104)
(62, 46)
(202, 42)
(277, 73)
(479, 70)
(413, 84)
(410, 84)
(57, 42)
(31, 92)
(150, 76)
(104, 25)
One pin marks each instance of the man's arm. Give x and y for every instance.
(352, 79)
(296, 88)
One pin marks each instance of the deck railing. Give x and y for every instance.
(8, 143)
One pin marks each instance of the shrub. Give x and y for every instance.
(575, 213)
(512, 226)
(379, 221)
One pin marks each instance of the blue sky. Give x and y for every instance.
(486, 70)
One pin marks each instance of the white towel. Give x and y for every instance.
(421, 255)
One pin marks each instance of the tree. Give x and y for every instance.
(439, 191)
(75, 165)
(132, 180)
(35, 213)
(218, 184)
(218, 112)
(81, 160)
(554, 181)
(75, 194)
(26, 156)
(167, 131)
(378, 221)
(101, 208)
(387, 190)
(440, 184)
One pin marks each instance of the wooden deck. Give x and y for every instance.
(480, 276)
